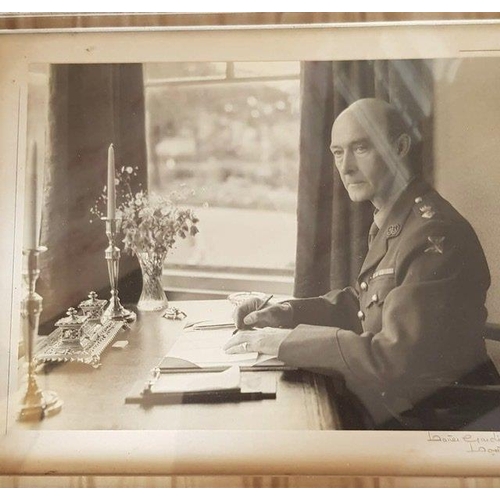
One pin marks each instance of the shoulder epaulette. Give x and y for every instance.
(424, 207)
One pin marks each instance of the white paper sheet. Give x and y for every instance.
(205, 348)
(198, 382)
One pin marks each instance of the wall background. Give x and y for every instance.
(467, 151)
(456, 154)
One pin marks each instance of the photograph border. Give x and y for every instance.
(376, 453)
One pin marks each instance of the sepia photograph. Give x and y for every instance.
(211, 237)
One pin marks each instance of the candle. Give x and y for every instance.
(31, 199)
(111, 183)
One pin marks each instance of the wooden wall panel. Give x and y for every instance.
(245, 482)
(86, 20)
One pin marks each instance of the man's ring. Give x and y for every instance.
(244, 346)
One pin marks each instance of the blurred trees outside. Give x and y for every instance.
(233, 143)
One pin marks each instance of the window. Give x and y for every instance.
(228, 135)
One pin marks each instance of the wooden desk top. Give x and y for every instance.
(94, 399)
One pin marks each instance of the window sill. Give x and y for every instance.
(222, 283)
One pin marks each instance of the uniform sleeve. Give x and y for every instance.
(337, 308)
(430, 318)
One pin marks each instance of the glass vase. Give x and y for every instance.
(153, 296)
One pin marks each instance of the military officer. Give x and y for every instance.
(412, 324)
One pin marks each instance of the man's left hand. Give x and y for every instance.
(265, 341)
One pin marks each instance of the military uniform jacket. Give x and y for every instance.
(414, 319)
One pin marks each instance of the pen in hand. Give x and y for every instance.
(264, 304)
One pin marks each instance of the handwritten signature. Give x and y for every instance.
(491, 437)
(483, 449)
(486, 443)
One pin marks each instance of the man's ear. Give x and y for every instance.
(403, 145)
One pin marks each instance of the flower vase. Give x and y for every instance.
(153, 296)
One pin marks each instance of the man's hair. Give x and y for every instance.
(396, 126)
(395, 123)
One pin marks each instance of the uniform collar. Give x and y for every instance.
(380, 216)
(394, 222)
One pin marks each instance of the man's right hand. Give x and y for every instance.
(273, 315)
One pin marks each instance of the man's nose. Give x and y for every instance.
(347, 163)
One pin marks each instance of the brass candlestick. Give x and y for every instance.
(114, 311)
(36, 404)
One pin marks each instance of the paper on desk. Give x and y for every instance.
(210, 325)
(205, 348)
(223, 319)
(197, 382)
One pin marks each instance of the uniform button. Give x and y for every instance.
(418, 199)
(363, 286)
(361, 315)
(375, 298)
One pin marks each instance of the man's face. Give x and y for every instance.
(363, 156)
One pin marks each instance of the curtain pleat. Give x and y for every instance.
(90, 107)
(315, 181)
(332, 230)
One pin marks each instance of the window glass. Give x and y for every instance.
(265, 69)
(232, 146)
(154, 73)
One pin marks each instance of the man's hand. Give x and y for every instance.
(264, 341)
(273, 315)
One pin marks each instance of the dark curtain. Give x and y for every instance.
(332, 230)
(90, 106)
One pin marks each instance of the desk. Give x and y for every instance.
(94, 398)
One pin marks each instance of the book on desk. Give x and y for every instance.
(196, 369)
